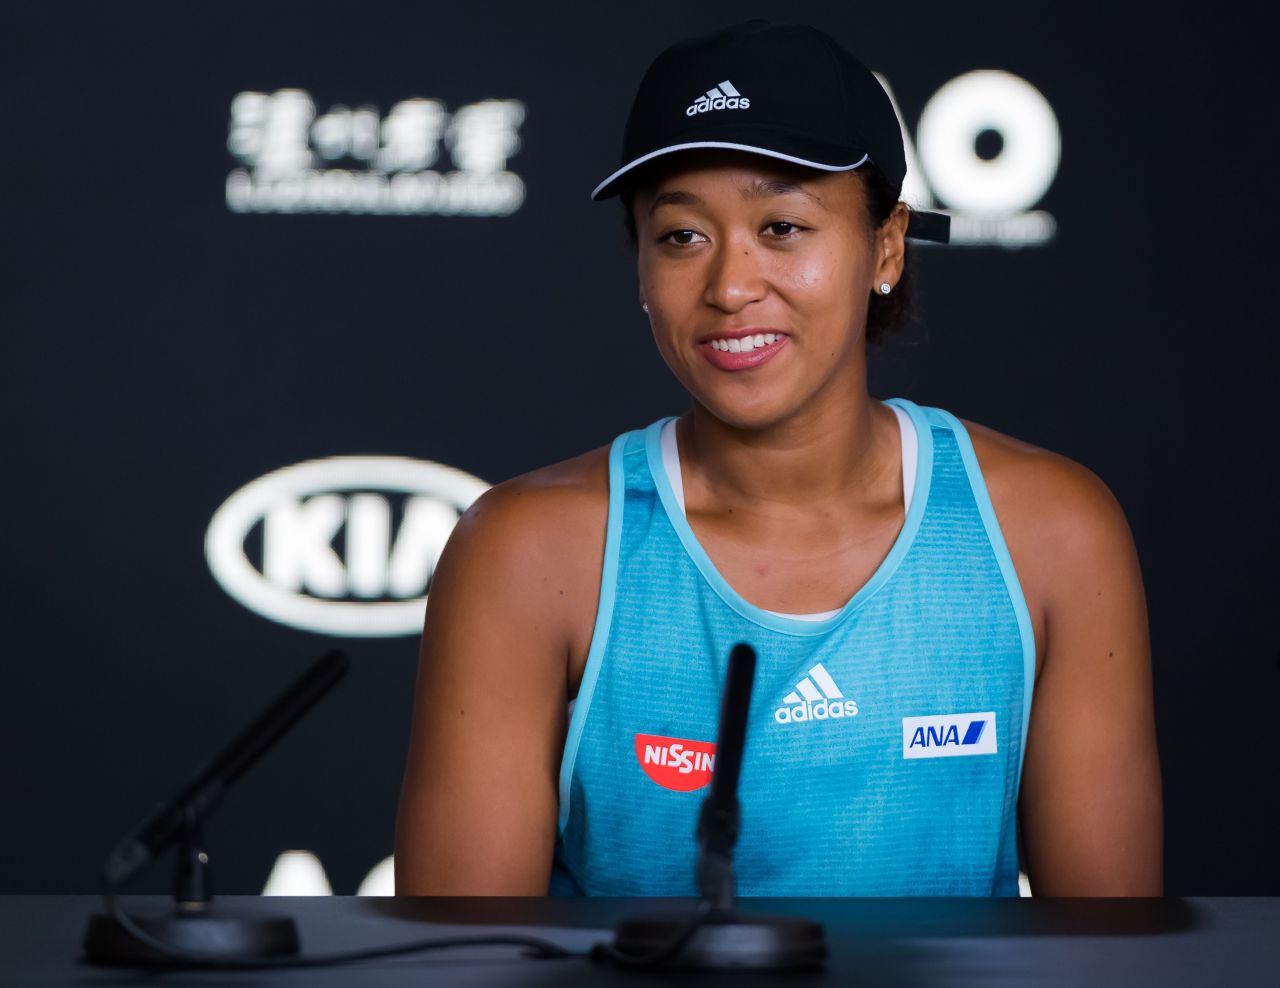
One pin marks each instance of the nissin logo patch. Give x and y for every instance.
(949, 735)
(676, 763)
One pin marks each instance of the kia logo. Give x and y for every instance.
(333, 562)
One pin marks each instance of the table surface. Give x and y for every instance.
(896, 942)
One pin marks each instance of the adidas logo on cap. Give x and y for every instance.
(719, 97)
(816, 697)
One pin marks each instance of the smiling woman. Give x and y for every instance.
(909, 580)
(721, 231)
(886, 310)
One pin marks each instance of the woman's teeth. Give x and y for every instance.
(746, 343)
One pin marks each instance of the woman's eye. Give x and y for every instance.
(681, 238)
(782, 228)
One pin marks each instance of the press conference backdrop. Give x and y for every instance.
(287, 285)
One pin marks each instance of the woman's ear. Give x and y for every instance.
(891, 246)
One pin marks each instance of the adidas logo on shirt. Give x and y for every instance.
(719, 97)
(816, 697)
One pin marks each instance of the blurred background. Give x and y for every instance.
(286, 285)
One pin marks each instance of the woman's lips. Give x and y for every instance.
(743, 359)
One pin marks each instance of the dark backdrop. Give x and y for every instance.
(162, 350)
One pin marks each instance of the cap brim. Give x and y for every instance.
(612, 185)
(922, 225)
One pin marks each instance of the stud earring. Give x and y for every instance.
(885, 288)
(645, 306)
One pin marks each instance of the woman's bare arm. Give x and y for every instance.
(479, 802)
(1091, 793)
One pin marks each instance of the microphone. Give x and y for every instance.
(719, 819)
(716, 935)
(197, 800)
(191, 931)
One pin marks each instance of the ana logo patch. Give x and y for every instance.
(949, 735)
(676, 763)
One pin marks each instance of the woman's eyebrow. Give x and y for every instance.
(760, 189)
(676, 197)
(767, 188)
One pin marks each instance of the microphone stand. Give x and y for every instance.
(192, 934)
(717, 935)
(192, 930)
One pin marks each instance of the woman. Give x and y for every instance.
(908, 579)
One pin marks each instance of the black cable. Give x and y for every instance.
(622, 958)
(537, 948)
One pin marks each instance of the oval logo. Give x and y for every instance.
(676, 763)
(347, 544)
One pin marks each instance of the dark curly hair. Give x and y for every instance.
(885, 313)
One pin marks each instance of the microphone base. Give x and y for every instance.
(256, 936)
(727, 939)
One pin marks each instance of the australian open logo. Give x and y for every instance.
(719, 97)
(345, 545)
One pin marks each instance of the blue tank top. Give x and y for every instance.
(884, 744)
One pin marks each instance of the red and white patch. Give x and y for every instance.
(676, 763)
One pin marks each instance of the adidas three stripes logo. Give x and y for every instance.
(722, 96)
(816, 697)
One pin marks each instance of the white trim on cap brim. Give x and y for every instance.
(734, 147)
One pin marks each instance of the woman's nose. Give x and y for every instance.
(734, 278)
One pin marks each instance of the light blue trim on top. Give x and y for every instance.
(604, 618)
(1001, 550)
(767, 619)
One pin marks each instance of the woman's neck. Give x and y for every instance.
(830, 451)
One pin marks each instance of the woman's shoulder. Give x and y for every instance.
(530, 549)
(539, 529)
(1063, 526)
(555, 501)
(1051, 492)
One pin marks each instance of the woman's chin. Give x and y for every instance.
(753, 413)
(771, 396)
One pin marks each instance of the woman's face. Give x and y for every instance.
(757, 275)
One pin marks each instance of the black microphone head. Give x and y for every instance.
(735, 704)
(743, 654)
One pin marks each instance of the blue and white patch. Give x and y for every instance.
(949, 735)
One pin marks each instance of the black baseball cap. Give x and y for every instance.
(785, 91)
